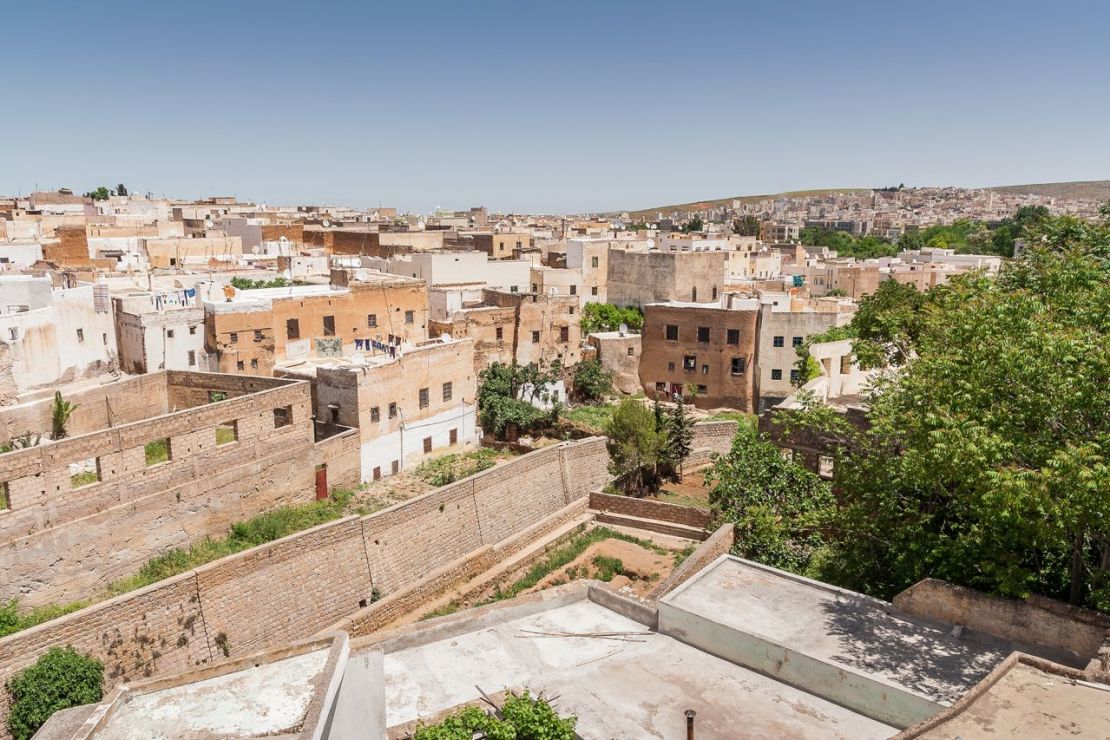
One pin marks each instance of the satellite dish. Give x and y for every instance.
(255, 249)
(445, 337)
(326, 222)
(623, 328)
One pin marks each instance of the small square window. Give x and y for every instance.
(574, 290)
(80, 335)
(84, 473)
(703, 334)
(670, 366)
(737, 366)
(453, 436)
(169, 333)
(329, 326)
(283, 416)
(239, 365)
(499, 333)
(564, 334)
(157, 452)
(371, 320)
(292, 329)
(593, 290)
(424, 398)
(410, 317)
(703, 389)
(254, 363)
(796, 341)
(427, 444)
(661, 386)
(593, 261)
(631, 351)
(233, 338)
(672, 332)
(192, 330)
(395, 466)
(393, 410)
(794, 376)
(778, 342)
(705, 369)
(227, 433)
(447, 391)
(192, 358)
(776, 375)
(690, 363)
(734, 337)
(375, 414)
(535, 337)
(257, 335)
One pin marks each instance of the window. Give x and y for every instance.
(690, 363)
(371, 320)
(703, 334)
(694, 294)
(593, 261)
(378, 473)
(5, 500)
(233, 338)
(777, 342)
(329, 326)
(794, 376)
(825, 466)
(447, 391)
(564, 333)
(157, 452)
(169, 333)
(80, 335)
(514, 289)
(593, 290)
(518, 245)
(410, 317)
(192, 330)
(499, 333)
(574, 290)
(535, 287)
(705, 369)
(283, 416)
(395, 466)
(292, 329)
(239, 365)
(535, 337)
(714, 292)
(84, 473)
(393, 410)
(254, 363)
(424, 398)
(631, 351)
(375, 415)
(733, 337)
(703, 389)
(453, 436)
(796, 341)
(661, 386)
(737, 365)
(776, 375)
(227, 433)
(670, 366)
(257, 335)
(192, 358)
(13, 333)
(672, 332)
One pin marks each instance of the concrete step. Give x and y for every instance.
(650, 525)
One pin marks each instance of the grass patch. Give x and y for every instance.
(607, 567)
(744, 420)
(673, 497)
(595, 418)
(157, 451)
(456, 466)
(84, 478)
(683, 554)
(12, 620)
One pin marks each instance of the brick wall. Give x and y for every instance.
(59, 543)
(715, 436)
(648, 509)
(301, 584)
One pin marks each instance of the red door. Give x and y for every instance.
(321, 482)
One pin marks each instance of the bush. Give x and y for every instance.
(450, 468)
(608, 317)
(524, 718)
(60, 679)
(591, 381)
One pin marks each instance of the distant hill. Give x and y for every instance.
(1082, 189)
(705, 205)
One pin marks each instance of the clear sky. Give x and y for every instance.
(549, 106)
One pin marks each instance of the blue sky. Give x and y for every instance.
(549, 107)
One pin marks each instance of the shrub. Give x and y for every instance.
(524, 718)
(450, 468)
(591, 381)
(60, 679)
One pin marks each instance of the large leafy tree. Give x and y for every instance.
(986, 463)
(776, 504)
(637, 447)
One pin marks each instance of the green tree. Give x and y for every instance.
(506, 393)
(636, 447)
(60, 679)
(746, 226)
(60, 412)
(679, 439)
(121, 189)
(887, 324)
(986, 460)
(591, 381)
(777, 505)
(101, 193)
(694, 224)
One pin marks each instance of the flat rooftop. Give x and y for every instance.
(846, 630)
(635, 687)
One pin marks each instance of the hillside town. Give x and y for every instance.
(302, 471)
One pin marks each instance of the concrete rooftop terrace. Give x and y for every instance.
(842, 645)
(638, 687)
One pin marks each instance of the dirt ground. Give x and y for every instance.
(641, 570)
(692, 491)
